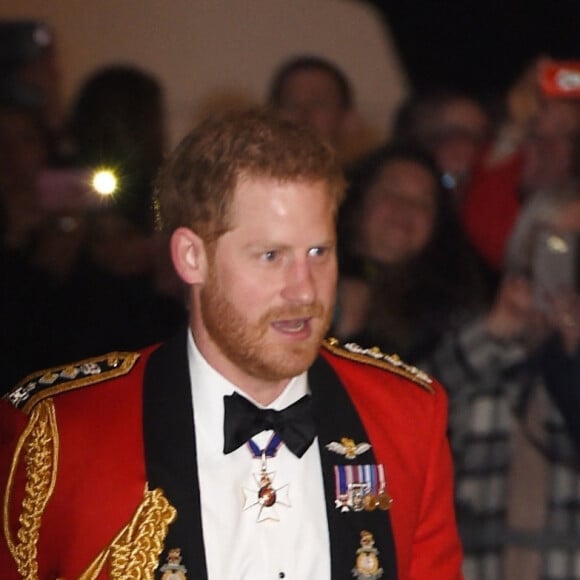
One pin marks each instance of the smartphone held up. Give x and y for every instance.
(555, 266)
(560, 78)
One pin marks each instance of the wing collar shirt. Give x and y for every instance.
(243, 540)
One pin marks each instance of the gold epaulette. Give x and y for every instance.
(49, 382)
(374, 356)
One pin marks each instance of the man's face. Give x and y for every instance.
(312, 97)
(270, 289)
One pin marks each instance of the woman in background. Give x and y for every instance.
(407, 270)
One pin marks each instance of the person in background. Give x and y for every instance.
(451, 125)
(23, 155)
(534, 147)
(408, 272)
(511, 375)
(36, 252)
(315, 91)
(117, 123)
(30, 75)
(78, 265)
(247, 446)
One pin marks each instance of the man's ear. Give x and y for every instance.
(188, 256)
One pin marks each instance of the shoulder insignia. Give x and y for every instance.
(49, 382)
(374, 356)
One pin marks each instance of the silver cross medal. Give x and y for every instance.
(267, 497)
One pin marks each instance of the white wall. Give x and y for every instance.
(218, 50)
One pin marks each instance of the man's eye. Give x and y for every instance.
(318, 251)
(269, 256)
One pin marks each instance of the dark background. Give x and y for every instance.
(479, 46)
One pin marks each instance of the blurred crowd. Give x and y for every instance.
(457, 251)
(76, 264)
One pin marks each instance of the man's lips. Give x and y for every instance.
(292, 326)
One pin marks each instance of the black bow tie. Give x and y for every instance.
(294, 424)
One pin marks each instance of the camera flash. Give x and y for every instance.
(105, 182)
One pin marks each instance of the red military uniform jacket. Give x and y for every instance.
(99, 479)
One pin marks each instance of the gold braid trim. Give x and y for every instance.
(134, 553)
(40, 445)
(56, 380)
(374, 356)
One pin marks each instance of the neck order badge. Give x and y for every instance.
(266, 496)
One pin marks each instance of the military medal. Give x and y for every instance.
(370, 502)
(361, 487)
(267, 496)
(381, 499)
(367, 565)
(173, 569)
(384, 501)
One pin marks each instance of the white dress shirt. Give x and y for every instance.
(291, 541)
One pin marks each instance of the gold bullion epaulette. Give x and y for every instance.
(374, 356)
(49, 382)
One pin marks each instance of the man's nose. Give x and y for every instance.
(299, 285)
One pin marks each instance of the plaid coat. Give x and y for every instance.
(490, 385)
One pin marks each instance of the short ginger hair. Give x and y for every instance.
(195, 185)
